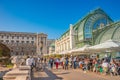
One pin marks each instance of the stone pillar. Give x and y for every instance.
(56, 47)
(37, 45)
(71, 37)
(61, 47)
(44, 45)
(67, 45)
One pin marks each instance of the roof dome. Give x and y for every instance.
(52, 45)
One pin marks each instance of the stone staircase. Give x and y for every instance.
(21, 73)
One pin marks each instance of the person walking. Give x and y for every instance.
(28, 61)
(71, 62)
(66, 63)
(51, 62)
(57, 63)
(105, 66)
(74, 62)
(62, 62)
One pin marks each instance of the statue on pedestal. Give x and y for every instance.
(15, 61)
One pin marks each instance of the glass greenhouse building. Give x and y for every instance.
(95, 28)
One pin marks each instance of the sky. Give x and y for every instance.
(51, 17)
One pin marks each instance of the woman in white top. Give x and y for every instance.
(105, 66)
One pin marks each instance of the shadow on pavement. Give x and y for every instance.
(62, 73)
(51, 76)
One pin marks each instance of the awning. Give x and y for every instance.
(81, 50)
(108, 46)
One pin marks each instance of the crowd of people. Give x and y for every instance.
(103, 66)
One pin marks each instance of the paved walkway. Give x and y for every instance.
(3, 71)
(70, 75)
(45, 75)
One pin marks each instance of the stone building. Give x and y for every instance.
(94, 28)
(51, 46)
(21, 43)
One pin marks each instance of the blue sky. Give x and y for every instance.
(50, 16)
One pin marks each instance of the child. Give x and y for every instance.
(101, 69)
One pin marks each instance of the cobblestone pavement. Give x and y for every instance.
(70, 75)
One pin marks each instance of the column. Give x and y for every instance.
(72, 41)
(67, 45)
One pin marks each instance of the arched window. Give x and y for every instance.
(92, 23)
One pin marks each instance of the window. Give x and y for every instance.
(93, 23)
(22, 41)
(99, 22)
(23, 37)
(12, 41)
(32, 38)
(17, 37)
(17, 41)
(1, 40)
(7, 41)
(27, 41)
(12, 37)
(2, 36)
(7, 37)
(32, 42)
(27, 37)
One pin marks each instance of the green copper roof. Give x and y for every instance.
(52, 44)
(98, 10)
(64, 34)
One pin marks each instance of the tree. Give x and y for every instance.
(4, 51)
(4, 54)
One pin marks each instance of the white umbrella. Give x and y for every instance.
(109, 45)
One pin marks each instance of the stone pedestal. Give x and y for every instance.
(24, 68)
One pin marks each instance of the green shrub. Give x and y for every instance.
(10, 66)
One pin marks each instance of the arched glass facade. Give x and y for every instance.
(94, 22)
(98, 22)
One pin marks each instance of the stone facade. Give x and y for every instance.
(21, 43)
(65, 43)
